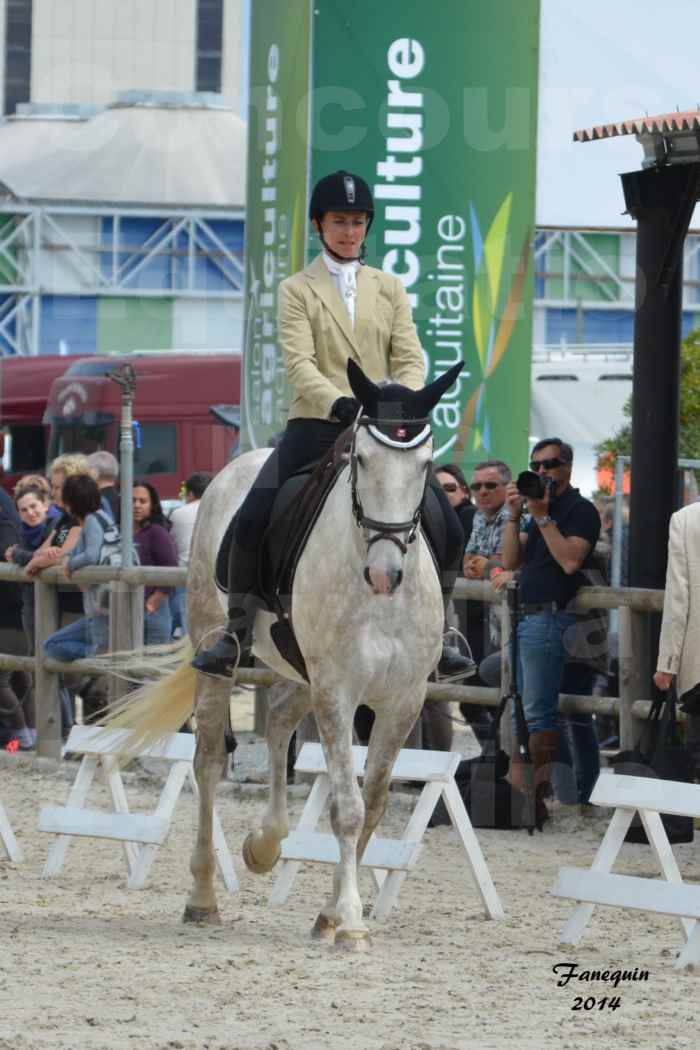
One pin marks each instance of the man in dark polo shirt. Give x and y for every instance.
(549, 553)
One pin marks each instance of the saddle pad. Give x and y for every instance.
(295, 512)
(290, 489)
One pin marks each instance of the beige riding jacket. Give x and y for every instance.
(317, 338)
(679, 651)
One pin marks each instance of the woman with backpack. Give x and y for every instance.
(81, 498)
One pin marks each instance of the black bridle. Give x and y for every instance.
(388, 530)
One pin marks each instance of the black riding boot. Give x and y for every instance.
(221, 658)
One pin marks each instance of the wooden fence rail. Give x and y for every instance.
(634, 603)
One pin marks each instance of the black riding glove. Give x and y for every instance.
(345, 410)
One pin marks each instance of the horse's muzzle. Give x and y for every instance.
(383, 581)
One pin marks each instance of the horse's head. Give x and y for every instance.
(390, 461)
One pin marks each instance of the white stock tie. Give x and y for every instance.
(345, 278)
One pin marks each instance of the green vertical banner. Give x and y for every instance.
(438, 111)
(278, 157)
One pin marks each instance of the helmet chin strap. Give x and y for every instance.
(343, 258)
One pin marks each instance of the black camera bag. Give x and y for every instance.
(489, 799)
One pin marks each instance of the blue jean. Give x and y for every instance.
(542, 675)
(581, 733)
(541, 656)
(178, 607)
(158, 626)
(76, 640)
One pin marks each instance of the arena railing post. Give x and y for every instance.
(46, 684)
(126, 604)
(634, 685)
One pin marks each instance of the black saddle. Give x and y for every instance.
(271, 553)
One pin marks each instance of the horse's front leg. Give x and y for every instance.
(289, 703)
(343, 913)
(393, 722)
(210, 755)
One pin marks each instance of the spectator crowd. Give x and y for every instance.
(69, 519)
(548, 546)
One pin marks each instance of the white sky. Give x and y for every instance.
(603, 61)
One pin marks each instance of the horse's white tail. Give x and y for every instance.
(159, 707)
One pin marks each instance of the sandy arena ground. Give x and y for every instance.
(86, 963)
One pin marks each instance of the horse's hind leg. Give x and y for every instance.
(211, 705)
(289, 703)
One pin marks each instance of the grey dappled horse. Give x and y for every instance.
(368, 615)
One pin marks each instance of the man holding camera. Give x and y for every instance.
(549, 551)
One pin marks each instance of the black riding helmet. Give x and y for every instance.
(341, 191)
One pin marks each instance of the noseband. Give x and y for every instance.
(388, 530)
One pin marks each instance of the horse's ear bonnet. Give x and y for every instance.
(393, 402)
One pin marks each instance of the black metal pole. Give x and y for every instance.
(662, 201)
(126, 379)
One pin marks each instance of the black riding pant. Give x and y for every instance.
(305, 441)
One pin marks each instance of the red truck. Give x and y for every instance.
(25, 383)
(186, 413)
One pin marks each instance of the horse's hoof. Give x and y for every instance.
(251, 861)
(324, 930)
(202, 916)
(353, 940)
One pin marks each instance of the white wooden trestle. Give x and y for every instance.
(668, 896)
(140, 833)
(7, 837)
(389, 860)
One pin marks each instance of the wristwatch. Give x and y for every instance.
(544, 520)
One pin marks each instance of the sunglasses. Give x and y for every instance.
(476, 486)
(546, 464)
(451, 486)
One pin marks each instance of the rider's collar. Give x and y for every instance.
(338, 265)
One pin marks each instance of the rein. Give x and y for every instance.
(388, 530)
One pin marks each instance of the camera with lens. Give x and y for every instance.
(533, 486)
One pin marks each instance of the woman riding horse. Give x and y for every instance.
(334, 309)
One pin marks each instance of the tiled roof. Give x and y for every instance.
(666, 124)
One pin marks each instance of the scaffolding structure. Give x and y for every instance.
(38, 246)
